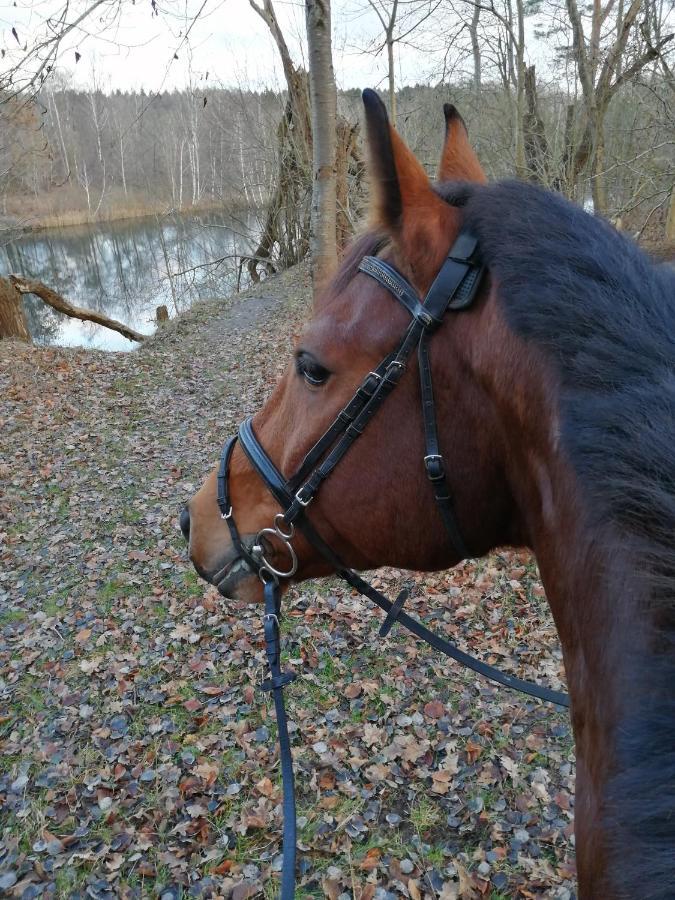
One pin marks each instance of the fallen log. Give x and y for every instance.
(59, 303)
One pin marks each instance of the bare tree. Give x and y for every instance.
(387, 12)
(602, 71)
(323, 96)
(475, 48)
(287, 221)
(399, 20)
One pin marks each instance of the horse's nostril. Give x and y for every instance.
(185, 523)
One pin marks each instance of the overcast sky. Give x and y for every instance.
(128, 47)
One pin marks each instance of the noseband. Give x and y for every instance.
(453, 290)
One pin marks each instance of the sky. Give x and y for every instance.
(126, 45)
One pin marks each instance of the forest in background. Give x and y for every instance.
(596, 124)
(70, 156)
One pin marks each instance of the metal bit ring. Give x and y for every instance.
(258, 551)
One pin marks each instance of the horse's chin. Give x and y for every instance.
(237, 582)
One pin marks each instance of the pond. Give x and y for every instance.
(127, 269)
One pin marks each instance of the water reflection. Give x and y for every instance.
(123, 270)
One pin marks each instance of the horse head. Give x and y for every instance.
(376, 508)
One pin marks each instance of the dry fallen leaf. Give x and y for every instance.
(434, 709)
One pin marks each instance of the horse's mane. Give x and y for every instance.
(604, 313)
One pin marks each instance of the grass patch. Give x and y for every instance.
(424, 815)
(9, 616)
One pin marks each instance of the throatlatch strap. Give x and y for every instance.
(433, 460)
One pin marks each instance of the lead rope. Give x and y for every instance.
(276, 683)
(278, 680)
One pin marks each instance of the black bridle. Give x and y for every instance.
(453, 290)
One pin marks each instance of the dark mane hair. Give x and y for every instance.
(604, 313)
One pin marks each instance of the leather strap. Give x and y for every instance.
(448, 648)
(225, 505)
(433, 460)
(276, 683)
(400, 289)
(459, 277)
(339, 424)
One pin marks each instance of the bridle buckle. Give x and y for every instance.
(394, 370)
(365, 387)
(301, 501)
(431, 460)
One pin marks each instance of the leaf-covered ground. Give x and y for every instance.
(137, 758)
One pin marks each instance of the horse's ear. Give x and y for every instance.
(458, 160)
(403, 203)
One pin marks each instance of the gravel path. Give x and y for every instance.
(136, 758)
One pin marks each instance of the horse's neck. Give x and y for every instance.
(620, 681)
(586, 578)
(616, 623)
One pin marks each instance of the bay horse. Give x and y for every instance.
(555, 401)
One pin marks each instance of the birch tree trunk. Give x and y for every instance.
(521, 167)
(391, 74)
(324, 111)
(475, 48)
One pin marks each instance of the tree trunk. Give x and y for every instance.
(59, 303)
(296, 82)
(12, 317)
(475, 47)
(599, 182)
(324, 111)
(350, 172)
(392, 80)
(288, 211)
(521, 167)
(670, 221)
(534, 133)
(287, 218)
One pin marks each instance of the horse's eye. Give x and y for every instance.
(312, 371)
